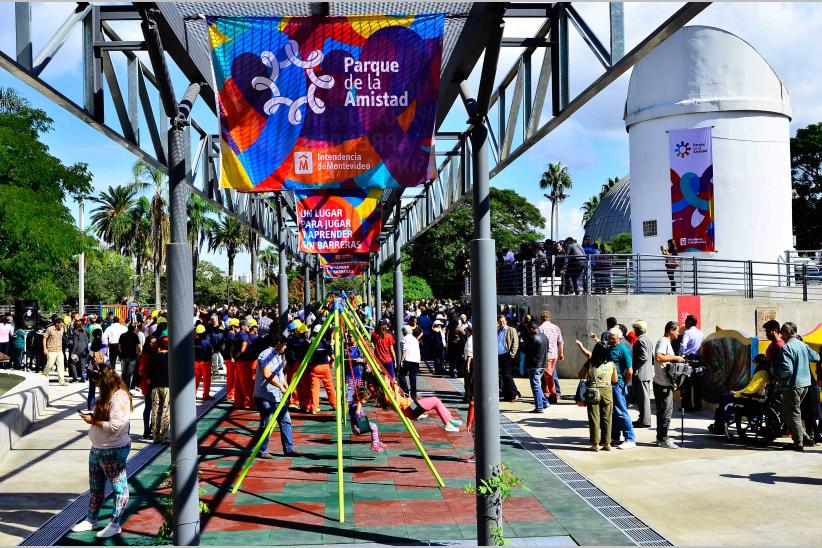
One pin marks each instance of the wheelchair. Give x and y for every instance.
(751, 419)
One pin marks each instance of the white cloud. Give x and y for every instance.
(570, 220)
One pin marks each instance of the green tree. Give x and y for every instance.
(440, 254)
(38, 238)
(148, 177)
(140, 235)
(620, 244)
(209, 284)
(593, 202)
(230, 236)
(414, 288)
(269, 261)
(113, 218)
(108, 277)
(557, 180)
(806, 172)
(200, 225)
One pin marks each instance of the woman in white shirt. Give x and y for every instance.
(110, 445)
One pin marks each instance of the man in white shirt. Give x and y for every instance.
(691, 343)
(663, 387)
(410, 365)
(111, 338)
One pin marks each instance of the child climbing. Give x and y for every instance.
(360, 423)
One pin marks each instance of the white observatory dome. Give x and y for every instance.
(704, 77)
(703, 69)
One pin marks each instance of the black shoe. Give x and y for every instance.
(535, 410)
(808, 442)
(291, 454)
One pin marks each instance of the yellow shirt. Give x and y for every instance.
(755, 386)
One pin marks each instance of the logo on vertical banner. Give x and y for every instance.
(692, 189)
(326, 102)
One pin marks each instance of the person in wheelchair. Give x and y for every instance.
(754, 390)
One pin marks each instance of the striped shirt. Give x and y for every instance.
(554, 335)
(262, 388)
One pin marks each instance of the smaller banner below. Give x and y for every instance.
(343, 270)
(347, 221)
(330, 258)
(692, 189)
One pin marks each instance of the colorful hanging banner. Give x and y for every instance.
(343, 270)
(347, 221)
(692, 189)
(332, 258)
(326, 102)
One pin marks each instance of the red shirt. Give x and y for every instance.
(382, 346)
(774, 350)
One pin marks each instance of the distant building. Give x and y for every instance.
(613, 214)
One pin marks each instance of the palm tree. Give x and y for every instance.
(148, 177)
(588, 209)
(558, 180)
(112, 220)
(608, 186)
(139, 247)
(231, 236)
(269, 259)
(200, 225)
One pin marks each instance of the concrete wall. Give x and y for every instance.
(579, 315)
(20, 407)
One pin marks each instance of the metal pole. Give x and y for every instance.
(282, 284)
(81, 266)
(181, 344)
(398, 304)
(484, 304)
(368, 286)
(317, 285)
(377, 291)
(306, 288)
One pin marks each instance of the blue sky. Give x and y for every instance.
(593, 143)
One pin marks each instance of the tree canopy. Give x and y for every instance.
(806, 172)
(440, 254)
(38, 237)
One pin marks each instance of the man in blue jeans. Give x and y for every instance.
(269, 387)
(536, 354)
(621, 356)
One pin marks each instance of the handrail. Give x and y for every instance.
(659, 274)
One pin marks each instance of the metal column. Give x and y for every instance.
(282, 283)
(81, 266)
(317, 275)
(181, 337)
(368, 294)
(306, 289)
(377, 291)
(484, 299)
(398, 305)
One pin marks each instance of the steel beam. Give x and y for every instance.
(22, 32)
(59, 38)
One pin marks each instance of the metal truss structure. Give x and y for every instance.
(519, 104)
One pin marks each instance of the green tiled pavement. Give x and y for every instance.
(296, 502)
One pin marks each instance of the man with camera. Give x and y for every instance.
(692, 385)
(664, 387)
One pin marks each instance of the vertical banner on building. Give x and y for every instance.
(692, 189)
(347, 221)
(326, 102)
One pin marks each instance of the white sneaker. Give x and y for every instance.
(110, 530)
(423, 416)
(86, 525)
(627, 445)
(451, 428)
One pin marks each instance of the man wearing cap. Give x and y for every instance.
(203, 350)
(296, 349)
(230, 365)
(643, 373)
(384, 347)
(53, 349)
(243, 375)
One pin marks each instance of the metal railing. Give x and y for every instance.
(789, 278)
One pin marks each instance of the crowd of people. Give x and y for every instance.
(260, 361)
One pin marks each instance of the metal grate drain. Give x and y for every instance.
(631, 526)
(59, 524)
